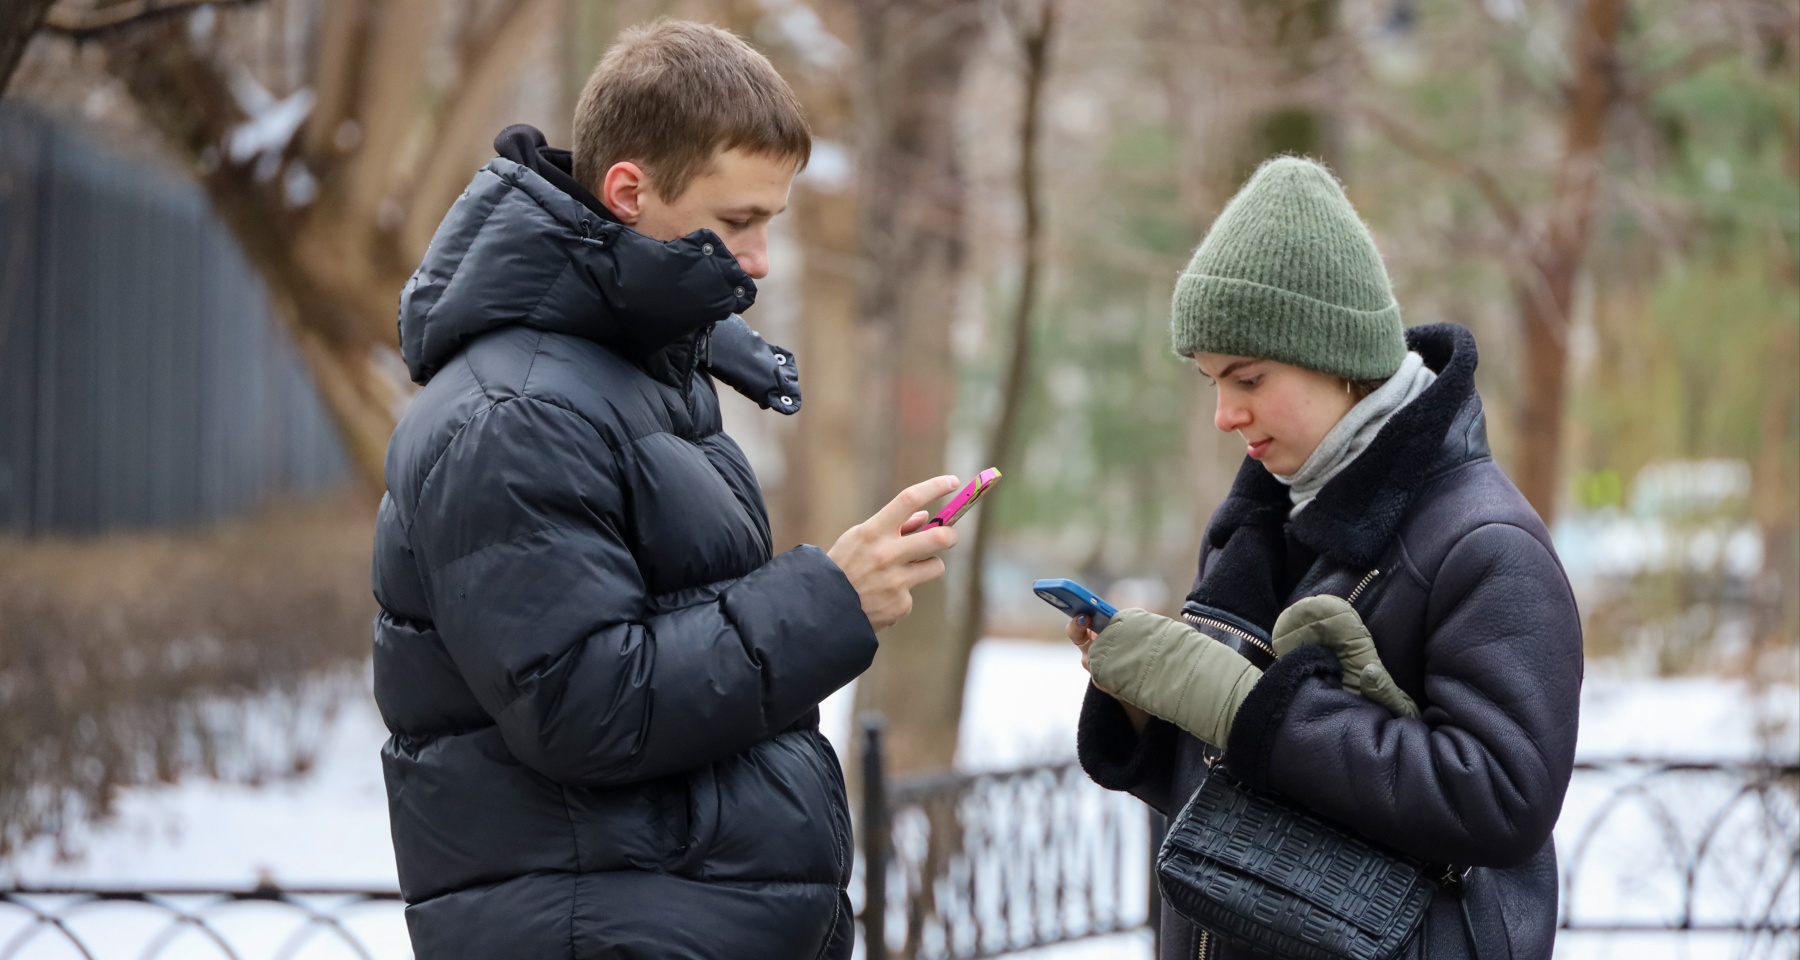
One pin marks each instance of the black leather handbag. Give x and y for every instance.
(1265, 875)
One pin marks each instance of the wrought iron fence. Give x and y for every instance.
(961, 865)
(182, 923)
(969, 866)
(1653, 846)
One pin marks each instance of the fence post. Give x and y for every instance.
(875, 840)
(1159, 828)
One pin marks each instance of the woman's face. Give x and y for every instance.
(1281, 411)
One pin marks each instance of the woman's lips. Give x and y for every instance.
(1259, 448)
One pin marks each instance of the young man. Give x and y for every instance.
(602, 688)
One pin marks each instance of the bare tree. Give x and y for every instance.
(1546, 292)
(913, 55)
(1549, 244)
(822, 494)
(1035, 25)
(879, 219)
(333, 183)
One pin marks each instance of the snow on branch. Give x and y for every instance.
(269, 125)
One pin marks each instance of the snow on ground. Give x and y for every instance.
(330, 828)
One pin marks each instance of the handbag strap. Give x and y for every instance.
(1468, 925)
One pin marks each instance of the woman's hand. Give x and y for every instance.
(1331, 622)
(1081, 634)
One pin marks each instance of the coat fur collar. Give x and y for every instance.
(1358, 513)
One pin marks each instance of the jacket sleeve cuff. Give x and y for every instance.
(803, 624)
(1258, 721)
(1114, 754)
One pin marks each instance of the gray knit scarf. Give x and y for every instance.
(1357, 430)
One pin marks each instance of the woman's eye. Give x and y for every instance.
(1250, 382)
(737, 224)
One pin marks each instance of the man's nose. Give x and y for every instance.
(753, 255)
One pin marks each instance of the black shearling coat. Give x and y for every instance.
(1470, 611)
(602, 688)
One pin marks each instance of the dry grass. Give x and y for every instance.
(121, 658)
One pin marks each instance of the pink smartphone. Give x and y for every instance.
(964, 499)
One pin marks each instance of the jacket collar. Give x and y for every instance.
(526, 244)
(1359, 511)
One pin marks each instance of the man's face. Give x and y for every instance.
(735, 197)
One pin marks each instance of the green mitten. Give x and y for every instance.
(1172, 671)
(1331, 622)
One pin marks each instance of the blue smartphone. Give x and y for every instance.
(1075, 600)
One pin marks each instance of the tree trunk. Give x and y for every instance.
(1003, 446)
(911, 241)
(381, 164)
(823, 494)
(1544, 300)
(1776, 505)
(329, 302)
(19, 19)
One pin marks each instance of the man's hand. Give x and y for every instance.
(884, 558)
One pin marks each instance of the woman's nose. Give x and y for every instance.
(1230, 417)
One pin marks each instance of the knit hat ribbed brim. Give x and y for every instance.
(1289, 272)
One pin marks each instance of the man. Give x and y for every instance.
(602, 688)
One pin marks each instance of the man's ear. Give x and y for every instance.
(623, 189)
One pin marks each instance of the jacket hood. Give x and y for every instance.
(527, 244)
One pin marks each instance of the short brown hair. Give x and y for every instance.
(670, 94)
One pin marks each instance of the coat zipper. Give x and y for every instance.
(838, 848)
(1244, 635)
(1367, 579)
(701, 341)
(1203, 945)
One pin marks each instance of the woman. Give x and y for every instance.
(1430, 670)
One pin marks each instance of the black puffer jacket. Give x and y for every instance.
(602, 688)
(1470, 611)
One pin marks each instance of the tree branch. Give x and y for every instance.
(389, 68)
(19, 19)
(88, 24)
(1036, 27)
(1421, 147)
(1641, 88)
(494, 50)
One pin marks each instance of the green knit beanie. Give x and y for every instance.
(1288, 272)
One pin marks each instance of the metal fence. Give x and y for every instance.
(1660, 845)
(967, 866)
(182, 923)
(962, 865)
(981, 865)
(143, 382)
